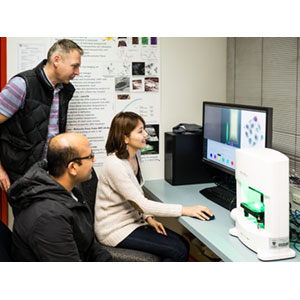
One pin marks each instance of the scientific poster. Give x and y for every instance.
(116, 74)
(29, 55)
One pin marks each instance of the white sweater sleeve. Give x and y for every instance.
(121, 181)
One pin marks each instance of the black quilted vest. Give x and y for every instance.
(23, 136)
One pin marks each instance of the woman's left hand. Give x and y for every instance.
(159, 227)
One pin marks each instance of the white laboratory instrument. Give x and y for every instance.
(262, 212)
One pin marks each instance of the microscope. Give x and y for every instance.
(262, 213)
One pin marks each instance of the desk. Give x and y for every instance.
(215, 233)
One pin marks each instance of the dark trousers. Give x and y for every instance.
(170, 247)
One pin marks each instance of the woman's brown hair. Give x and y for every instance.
(122, 125)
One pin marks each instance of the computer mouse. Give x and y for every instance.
(210, 217)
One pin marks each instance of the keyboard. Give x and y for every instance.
(221, 196)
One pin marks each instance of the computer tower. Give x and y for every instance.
(183, 159)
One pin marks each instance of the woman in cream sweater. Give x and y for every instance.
(123, 216)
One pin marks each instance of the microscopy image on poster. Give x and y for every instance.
(138, 68)
(123, 96)
(137, 85)
(152, 69)
(122, 84)
(151, 84)
(152, 140)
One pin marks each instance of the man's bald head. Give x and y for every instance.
(62, 149)
(68, 139)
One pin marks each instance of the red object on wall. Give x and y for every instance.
(3, 79)
(3, 62)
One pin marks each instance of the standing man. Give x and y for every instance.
(33, 108)
(55, 223)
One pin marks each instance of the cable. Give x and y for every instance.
(294, 234)
(297, 214)
(294, 179)
(297, 242)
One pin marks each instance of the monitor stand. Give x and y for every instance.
(224, 193)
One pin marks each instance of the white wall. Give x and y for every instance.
(192, 70)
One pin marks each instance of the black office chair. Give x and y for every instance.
(89, 188)
(5, 243)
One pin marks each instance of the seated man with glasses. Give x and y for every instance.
(55, 223)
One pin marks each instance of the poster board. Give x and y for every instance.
(116, 74)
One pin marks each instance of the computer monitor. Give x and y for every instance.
(227, 127)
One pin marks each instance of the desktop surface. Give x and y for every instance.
(215, 233)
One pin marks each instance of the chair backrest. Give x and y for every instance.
(5, 243)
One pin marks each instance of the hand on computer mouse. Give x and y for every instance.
(210, 217)
(198, 211)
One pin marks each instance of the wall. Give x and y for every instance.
(192, 70)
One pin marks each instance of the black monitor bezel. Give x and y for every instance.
(269, 124)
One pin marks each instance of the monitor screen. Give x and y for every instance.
(227, 127)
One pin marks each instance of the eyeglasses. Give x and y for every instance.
(91, 156)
